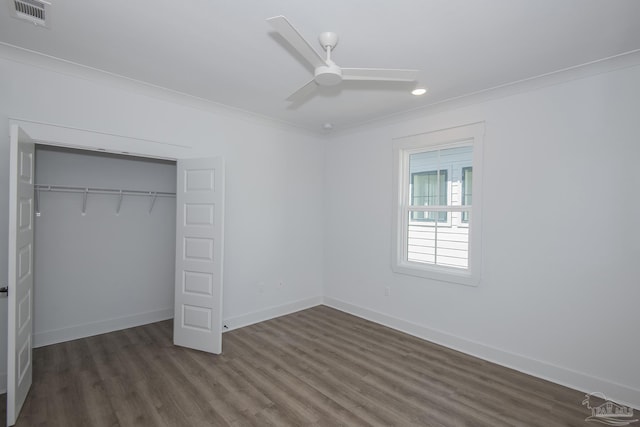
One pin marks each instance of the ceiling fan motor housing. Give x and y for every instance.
(329, 75)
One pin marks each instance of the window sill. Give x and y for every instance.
(439, 273)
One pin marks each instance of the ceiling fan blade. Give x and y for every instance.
(379, 74)
(295, 39)
(302, 93)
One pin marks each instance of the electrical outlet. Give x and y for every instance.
(387, 291)
(280, 284)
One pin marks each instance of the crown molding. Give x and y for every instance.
(50, 63)
(593, 68)
(61, 66)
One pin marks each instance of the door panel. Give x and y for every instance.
(20, 301)
(197, 319)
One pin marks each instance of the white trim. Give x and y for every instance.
(3, 383)
(95, 75)
(468, 134)
(557, 374)
(547, 371)
(95, 140)
(99, 327)
(243, 320)
(593, 68)
(51, 63)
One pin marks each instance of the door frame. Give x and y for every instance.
(100, 141)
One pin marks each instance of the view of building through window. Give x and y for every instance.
(440, 183)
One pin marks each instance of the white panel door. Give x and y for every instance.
(197, 321)
(20, 304)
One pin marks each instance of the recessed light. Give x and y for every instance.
(419, 91)
(327, 126)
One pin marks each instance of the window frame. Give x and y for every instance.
(465, 135)
(447, 189)
(463, 188)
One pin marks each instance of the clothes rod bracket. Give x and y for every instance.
(119, 203)
(84, 201)
(153, 200)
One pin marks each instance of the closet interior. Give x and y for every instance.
(104, 242)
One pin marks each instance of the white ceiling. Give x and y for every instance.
(224, 50)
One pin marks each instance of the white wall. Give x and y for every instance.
(101, 271)
(560, 281)
(274, 203)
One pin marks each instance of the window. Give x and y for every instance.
(436, 223)
(428, 189)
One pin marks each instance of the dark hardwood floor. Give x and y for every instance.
(317, 367)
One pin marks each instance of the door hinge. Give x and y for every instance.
(4, 290)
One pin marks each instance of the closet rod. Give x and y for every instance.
(95, 190)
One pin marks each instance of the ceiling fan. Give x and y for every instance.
(327, 72)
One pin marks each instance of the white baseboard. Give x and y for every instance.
(232, 323)
(576, 380)
(55, 336)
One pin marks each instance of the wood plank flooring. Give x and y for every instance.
(317, 367)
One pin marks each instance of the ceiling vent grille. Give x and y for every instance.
(31, 10)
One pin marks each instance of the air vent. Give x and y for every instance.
(31, 10)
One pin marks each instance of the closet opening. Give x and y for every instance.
(100, 242)
(104, 242)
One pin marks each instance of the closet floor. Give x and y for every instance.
(317, 367)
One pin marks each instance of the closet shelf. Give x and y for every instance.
(95, 190)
